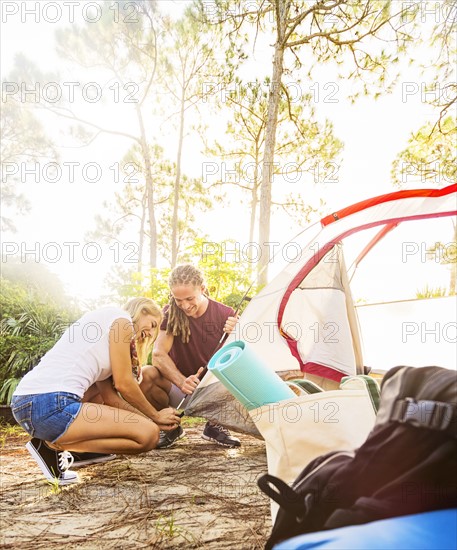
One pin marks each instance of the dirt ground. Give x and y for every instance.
(195, 494)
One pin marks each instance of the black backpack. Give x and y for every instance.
(407, 465)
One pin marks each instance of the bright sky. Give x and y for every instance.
(374, 132)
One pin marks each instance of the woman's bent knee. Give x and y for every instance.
(149, 438)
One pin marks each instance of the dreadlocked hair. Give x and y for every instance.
(178, 322)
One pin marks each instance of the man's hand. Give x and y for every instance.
(191, 382)
(230, 324)
(167, 419)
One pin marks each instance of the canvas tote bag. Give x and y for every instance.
(298, 430)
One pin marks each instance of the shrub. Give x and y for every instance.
(30, 324)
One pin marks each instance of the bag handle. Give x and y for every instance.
(280, 492)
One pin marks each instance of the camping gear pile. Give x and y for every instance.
(349, 463)
(299, 429)
(407, 465)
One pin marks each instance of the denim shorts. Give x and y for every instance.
(46, 415)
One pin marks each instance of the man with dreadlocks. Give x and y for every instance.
(189, 335)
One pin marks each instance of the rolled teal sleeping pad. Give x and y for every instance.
(246, 377)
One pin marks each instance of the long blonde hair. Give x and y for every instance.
(146, 306)
(178, 323)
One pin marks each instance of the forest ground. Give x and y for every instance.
(195, 494)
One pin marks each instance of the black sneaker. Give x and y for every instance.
(220, 435)
(85, 459)
(54, 464)
(167, 439)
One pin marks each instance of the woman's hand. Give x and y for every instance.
(167, 419)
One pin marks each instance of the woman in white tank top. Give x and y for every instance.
(100, 353)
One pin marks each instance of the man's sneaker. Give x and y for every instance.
(220, 435)
(85, 459)
(167, 439)
(54, 464)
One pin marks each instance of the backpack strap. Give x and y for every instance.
(281, 493)
(433, 415)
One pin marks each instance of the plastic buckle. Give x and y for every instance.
(434, 415)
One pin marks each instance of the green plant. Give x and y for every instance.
(166, 526)
(18, 355)
(54, 487)
(30, 324)
(191, 421)
(39, 319)
(21, 353)
(226, 281)
(10, 432)
(7, 390)
(430, 292)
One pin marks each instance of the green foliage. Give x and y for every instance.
(439, 68)
(9, 432)
(364, 38)
(167, 61)
(7, 389)
(360, 37)
(446, 254)
(192, 421)
(30, 275)
(129, 283)
(54, 487)
(226, 281)
(19, 354)
(193, 202)
(302, 144)
(12, 297)
(30, 325)
(430, 156)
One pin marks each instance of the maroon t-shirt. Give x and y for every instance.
(205, 333)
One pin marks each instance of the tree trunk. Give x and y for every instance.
(251, 260)
(254, 193)
(270, 141)
(141, 236)
(149, 191)
(254, 203)
(177, 188)
(151, 215)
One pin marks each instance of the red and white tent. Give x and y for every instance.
(305, 318)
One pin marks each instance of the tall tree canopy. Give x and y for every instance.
(352, 33)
